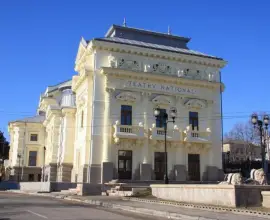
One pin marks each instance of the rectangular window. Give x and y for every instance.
(33, 137)
(32, 158)
(161, 120)
(31, 177)
(194, 120)
(82, 119)
(126, 115)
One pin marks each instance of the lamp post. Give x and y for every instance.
(19, 173)
(44, 164)
(262, 126)
(164, 116)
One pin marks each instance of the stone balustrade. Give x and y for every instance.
(158, 133)
(194, 135)
(128, 131)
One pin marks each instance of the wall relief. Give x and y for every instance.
(162, 100)
(195, 103)
(127, 96)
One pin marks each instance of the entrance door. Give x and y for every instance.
(159, 165)
(124, 164)
(194, 167)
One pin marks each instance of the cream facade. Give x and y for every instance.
(111, 132)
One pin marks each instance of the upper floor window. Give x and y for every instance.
(32, 158)
(126, 115)
(194, 120)
(160, 120)
(33, 137)
(82, 119)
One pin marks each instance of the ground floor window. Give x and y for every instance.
(124, 164)
(194, 167)
(31, 177)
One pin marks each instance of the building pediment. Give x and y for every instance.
(195, 103)
(162, 100)
(127, 96)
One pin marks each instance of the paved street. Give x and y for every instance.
(24, 207)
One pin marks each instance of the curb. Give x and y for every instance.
(152, 212)
(203, 207)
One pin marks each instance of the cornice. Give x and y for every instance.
(147, 52)
(78, 80)
(120, 73)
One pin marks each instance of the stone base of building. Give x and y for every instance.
(180, 172)
(50, 172)
(82, 174)
(107, 172)
(95, 173)
(25, 174)
(213, 173)
(145, 171)
(64, 172)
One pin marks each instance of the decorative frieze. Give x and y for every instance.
(164, 68)
(124, 63)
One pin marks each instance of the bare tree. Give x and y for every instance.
(244, 132)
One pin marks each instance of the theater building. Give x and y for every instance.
(111, 131)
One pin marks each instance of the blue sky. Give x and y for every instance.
(39, 42)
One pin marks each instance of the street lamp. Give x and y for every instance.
(262, 126)
(164, 116)
(19, 173)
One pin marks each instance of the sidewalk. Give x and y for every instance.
(153, 209)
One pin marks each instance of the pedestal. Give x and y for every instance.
(145, 171)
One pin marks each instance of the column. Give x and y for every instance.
(107, 165)
(145, 167)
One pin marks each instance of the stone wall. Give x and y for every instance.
(221, 195)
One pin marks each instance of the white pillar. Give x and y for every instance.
(107, 129)
(145, 118)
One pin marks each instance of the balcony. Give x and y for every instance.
(127, 131)
(157, 134)
(196, 136)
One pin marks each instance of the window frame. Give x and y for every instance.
(30, 157)
(193, 119)
(31, 134)
(160, 120)
(126, 115)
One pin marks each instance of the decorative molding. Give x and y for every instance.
(147, 52)
(162, 100)
(197, 148)
(127, 96)
(124, 63)
(195, 103)
(144, 76)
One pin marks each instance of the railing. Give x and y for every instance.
(158, 133)
(197, 136)
(128, 131)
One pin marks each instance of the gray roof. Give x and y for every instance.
(59, 86)
(156, 47)
(33, 119)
